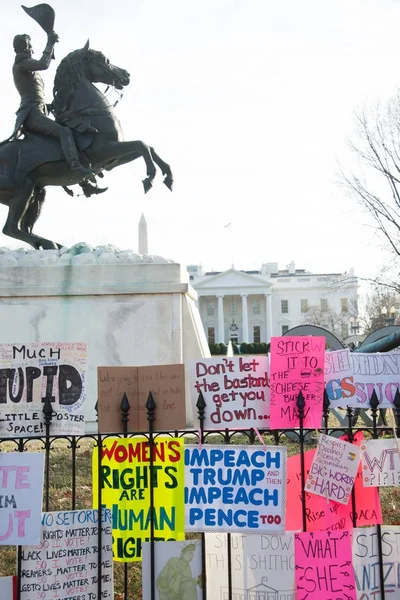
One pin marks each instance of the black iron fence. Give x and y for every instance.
(68, 479)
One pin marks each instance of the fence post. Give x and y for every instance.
(300, 406)
(151, 408)
(374, 403)
(201, 414)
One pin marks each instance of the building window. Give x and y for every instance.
(284, 306)
(324, 305)
(211, 335)
(233, 309)
(345, 331)
(256, 333)
(256, 307)
(210, 309)
(344, 304)
(304, 305)
(285, 329)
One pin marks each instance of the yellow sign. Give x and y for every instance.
(125, 478)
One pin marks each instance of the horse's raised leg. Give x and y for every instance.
(114, 154)
(17, 209)
(165, 169)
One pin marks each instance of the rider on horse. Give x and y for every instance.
(32, 112)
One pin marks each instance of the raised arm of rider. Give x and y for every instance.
(30, 64)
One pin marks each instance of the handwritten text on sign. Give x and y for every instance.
(324, 568)
(297, 364)
(381, 462)
(366, 562)
(236, 391)
(258, 562)
(65, 563)
(352, 384)
(330, 516)
(125, 483)
(334, 469)
(21, 490)
(31, 374)
(235, 488)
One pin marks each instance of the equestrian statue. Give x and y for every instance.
(83, 139)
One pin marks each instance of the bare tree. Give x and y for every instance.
(381, 307)
(335, 322)
(377, 183)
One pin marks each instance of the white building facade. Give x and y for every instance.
(253, 306)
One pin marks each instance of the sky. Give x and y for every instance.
(251, 102)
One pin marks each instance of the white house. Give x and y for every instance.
(252, 306)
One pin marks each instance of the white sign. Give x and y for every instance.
(32, 373)
(334, 469)
(235, 488)
(7, 588)
(262, 566)
(352, 384)
(366, 562)
(21, 491)
(177, 570)
(235, 389)
(65, 564)
(381, 462)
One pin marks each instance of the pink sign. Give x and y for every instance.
(324, 569)
(328, 515)
(297, 365)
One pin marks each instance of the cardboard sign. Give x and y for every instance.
(338, 377)
(125, 486)
(165, 382)
(334, 469)
(21, 491)
(381, 462)
(65, 563)
(366, 562)
(8, 588)
(30, 374)
(324, 566)
(177, 570)
(235, 488)
(328, 515)
(262, 566)
(297, 364)
(235, 389)
(368, 372)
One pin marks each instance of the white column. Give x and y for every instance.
(268, 319)
(221, 333)
(245, 320)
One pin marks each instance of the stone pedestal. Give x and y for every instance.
(130, 309)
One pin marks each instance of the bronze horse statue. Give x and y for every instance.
(30, 164)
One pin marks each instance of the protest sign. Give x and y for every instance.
(165, 382)
(262, 566)
(381, 462)
(21, 491)
(368, 372)
(322, 514)
(235, 389)
(338, 377)
(334, 469)
(177, 570)
(235, 488)
(125, 490)
(8, 588)
(297, 364)
(32, 373)
(65, 563)
(366, 562)
(324, 566)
